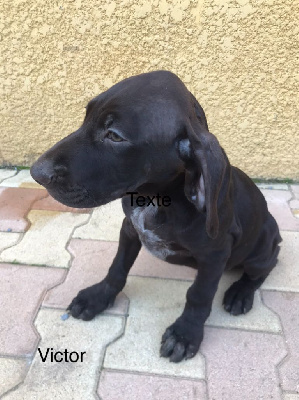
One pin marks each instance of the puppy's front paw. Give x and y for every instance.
(181, 341)
(92, 301)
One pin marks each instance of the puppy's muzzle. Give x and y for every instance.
(45, 173)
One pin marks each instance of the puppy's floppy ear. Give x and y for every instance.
(206, 165)
(199, 112)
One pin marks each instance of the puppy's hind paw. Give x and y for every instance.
(238, 299)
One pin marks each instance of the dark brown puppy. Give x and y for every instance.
(148, 134)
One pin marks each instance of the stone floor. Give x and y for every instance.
(48, 252)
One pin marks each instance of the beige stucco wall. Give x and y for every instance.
(237, 56)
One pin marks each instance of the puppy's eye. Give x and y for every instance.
(114, 137)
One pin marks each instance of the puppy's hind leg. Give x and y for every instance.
(94, 299)
(238, 299)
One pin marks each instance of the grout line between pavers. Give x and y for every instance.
(22, 234)
(105, 312)
(161, 278)
(14, 357)
(233, 328)
(100, 366)
(15, 170)
(207, 392)
(16, 387)
(67, 269)
(191, 280)
(30, 208)
(35, 201)
(63, 279)
(31, 356)
(33, 265)
(122, 333)
(12, 245)
(141, 373)
(99, 397)
(66, 247)
(28, 365)
(206, 380)
(293, 197)
(154, 374)
(286, 392)
(288, 355)
(292, 291)
(272, 186)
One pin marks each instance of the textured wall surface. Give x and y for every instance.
(239, 58)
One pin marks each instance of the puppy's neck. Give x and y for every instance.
(173, 188)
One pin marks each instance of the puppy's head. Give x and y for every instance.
(146, 129)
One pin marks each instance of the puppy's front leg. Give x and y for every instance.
(183, 338)
(93, 300)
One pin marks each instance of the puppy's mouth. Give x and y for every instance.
(75, 196)
(79, 197)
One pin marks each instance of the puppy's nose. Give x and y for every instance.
(43, 171)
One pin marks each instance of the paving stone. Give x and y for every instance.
(67, 380)
(272, 186)
(14, 205)
(8, 239)
(291, 397)
(91, 262)
(44, 243)
(12, 372)
(285, 276)
(154, 305)
(259, 318)
(117, 385)
(50, 204)
(295, 190)
(286, 305)
(104, 224)
(241, 365)
(87, 269)
(90, 265)
(278, 206)
(294, 204)
(150, 314)
(6, 173)
(148, 265)
(22, 289)
(22, 179)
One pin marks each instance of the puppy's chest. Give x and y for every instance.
(154, 231)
